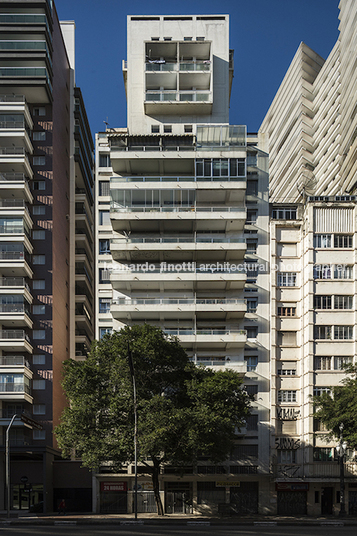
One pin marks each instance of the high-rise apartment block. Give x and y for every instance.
(46, 245)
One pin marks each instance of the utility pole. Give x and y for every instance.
(7, 464)
(132, 372)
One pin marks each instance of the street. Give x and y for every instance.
(179, 530)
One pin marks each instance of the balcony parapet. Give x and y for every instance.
(196, 209)
(177, 240)
(14, 361)
(116, 180)
(177, 301)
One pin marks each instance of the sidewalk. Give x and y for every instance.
(184, 519)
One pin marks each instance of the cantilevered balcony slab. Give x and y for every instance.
(13, 340)
(15, 185)
(178, 219)
(184, 308)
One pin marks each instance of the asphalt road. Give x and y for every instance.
(177, 530)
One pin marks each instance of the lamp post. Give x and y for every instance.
(7, 464)
(341, 451)
(132, 373)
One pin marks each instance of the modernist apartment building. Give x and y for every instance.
(46, 246)
(182, 209)
(310, 134)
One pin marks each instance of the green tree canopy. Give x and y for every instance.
(340, 406)
(184, 411)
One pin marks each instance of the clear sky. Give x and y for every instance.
(264, 34)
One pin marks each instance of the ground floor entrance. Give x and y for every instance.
(178, 497)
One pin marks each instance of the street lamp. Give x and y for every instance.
(132, 373)
(341, 451)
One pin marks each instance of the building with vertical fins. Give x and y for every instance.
(182, 212)
(310, 133)
(46, 248)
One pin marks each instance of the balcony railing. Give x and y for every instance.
(177, 301)
(14, 360)
(11, 150)
(12, 387)
(177, 96)
(190, 267)
(175, 239)
(182, 331)
(162, 66)
(16, 177)
(118, 208)
(114, 180)
(13, 203)
(14, 282)
(13, 256)
(23, 45)
(12, 308)
(12, 98)
(14, 334)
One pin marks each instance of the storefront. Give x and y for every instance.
(292, 498)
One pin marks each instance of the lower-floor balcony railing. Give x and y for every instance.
(14, 361)
(16, 334)
(12, 387)
(204, 331)
(177, 301)
(314, 470)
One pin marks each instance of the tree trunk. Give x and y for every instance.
(155, 482)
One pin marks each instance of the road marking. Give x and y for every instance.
(265, 523)
(198, 523)
(132, 522)
(65, 522)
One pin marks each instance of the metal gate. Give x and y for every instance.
(291, 503)
(146, 502)
(113, 502)
(178, 498)
(244, 500)
(352, 502)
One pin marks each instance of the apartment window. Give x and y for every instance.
(286, 279)
(244, 452)
(104, 331)
(38, 259)
(252, 244)
(284, 213)
(39, 160)
(318, 391)
(104, 305)
(167, 129)
(40, 110)
(342, 241)
(322, 454)
(252, 362)
(38, 284)
(38, 185)
(286, 456)
(39, 385)
(155, 129)
(286, 396)
(39, 359)
(39, 235)
(343, 271)
(104, 217)
(38, 309)
(39, 135)
(323, 363)
(322, 271)
(286, 368)
(286, 427)
(104, 188)
(39, 434)
(188, 129)
(39, 409)
(39, 334)
(322, 302)
(252, 332)
(286, 311)
(252, 304)
(252, 423)
(104, 276)
(343, 302)
(343, 332)
(167, 38)
(251, 390)
(286, 338)
(38, 209)
(252, 187)
(323, 332)
(104, 160)
(220, 167)
(340, 361)
(322, 241)
(252, 215)
(104, 246)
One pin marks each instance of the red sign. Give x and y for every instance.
(113, 486)
(292, 486)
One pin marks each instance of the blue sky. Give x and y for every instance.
(264, 34)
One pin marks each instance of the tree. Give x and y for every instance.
(340, 406)
(184, 411)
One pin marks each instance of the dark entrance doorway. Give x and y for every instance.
(178, 498)
(327, 501)
(292, 503)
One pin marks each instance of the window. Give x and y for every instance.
(286, 427)
(322, 302)
(251, 390)
(252, 215)
(39, 135)
(323, 332)
(220, 167)
(38, 284)
(39, 434)
(38, 259)
(155, 129)
(39, 385)
(286, 279)
(38, 309)
(104, 246)
(252, 187)
(39, 160)
(284, 213)
(252, 423)
(286, 396)
(286, 456)
(40, 110)
(342, 241)
(323, 454)
(343, 332)
(244, 452)
(252, 362)
(340, 361)
(104, 331)
(104, 305)
(188, 129)
(322, 271)
(286, 338)
(252, 244)
(286, 311)
(104, 276)
(38, 185)
(104, 160)
(323, 363)
(343, 271)
(343, 302)
(286, 368)
(39, 334)
(39, 235)
(252, 332)
(252, 304)
(38, 359)
(39, 409)
(167, 129)
(104, 217)
(322, 241)
(38, 210)
(104, 188)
